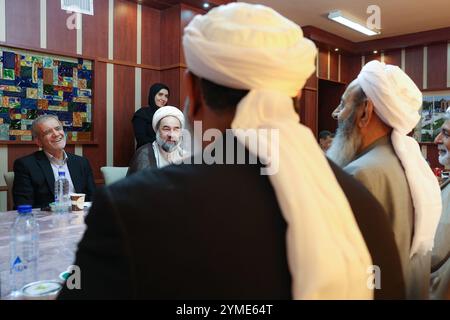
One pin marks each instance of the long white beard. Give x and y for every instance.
(345, 144)
(167, 146)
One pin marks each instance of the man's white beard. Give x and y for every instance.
(445, 159)
(167, 146)
(346, 143)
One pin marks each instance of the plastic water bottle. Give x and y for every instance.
(62, 196)
(24, 249)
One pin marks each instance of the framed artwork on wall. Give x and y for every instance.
(432, 115)
(32, 84)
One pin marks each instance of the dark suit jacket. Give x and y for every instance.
(206, 232)
(34, 182)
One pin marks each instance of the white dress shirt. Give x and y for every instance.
(60, 165)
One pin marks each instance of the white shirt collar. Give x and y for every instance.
(57, 161)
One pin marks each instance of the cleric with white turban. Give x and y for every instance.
(167, 111)
(250, 47)
(377, 111)
(168, 124)
(397, 101)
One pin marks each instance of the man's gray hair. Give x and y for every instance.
(358, 97)
(39, 120)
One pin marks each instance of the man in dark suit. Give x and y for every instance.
(35, 174)
(218, 231)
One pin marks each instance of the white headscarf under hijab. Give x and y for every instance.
(252, 47)
(397, 101)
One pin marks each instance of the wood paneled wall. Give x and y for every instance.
(330, 93)
(173, 22)
(161, 61)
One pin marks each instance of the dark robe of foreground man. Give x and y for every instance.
(223, 237)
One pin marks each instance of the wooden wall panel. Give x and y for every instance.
(151, 36)
(433, 156)
(123, 112)
(371, 57)
(329, 97)
(59, 37)
(97, 153)
(308, 110)
(187, 14)
(323, 63)
(125, 30)
(172, 79)
(170, 36)
(334, 66)
(311, 82)
(437, 66)
(393, 57)
(23, 23)
(350, 67)
(18, 151)
(183, 90)
(149, 77)
(95, 31)
(70, 148)
(414, 65)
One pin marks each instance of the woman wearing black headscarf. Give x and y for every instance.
(142, 120)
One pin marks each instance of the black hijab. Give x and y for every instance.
(142, 119)
(154, 89)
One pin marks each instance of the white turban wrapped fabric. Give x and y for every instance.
(165, 112)
(252, 47)
(397, 101)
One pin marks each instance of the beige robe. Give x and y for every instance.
(380, 170)
(440, 259)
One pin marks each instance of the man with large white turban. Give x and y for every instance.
(376, 113)
(226, 230)
(440, 257)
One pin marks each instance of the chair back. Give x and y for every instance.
(113, 174)
(9, 178)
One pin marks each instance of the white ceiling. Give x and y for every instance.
(397, 16)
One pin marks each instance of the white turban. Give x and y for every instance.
(397, 101)
(165, 112)
(253, 47)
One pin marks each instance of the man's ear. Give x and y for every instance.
(194, 95)
(366, 115)
(38, 142)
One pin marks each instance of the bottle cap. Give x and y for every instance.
(25, 208)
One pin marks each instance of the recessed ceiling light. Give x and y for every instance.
(206, 5)
(346, 21)
(336, 49)
(375, 51)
